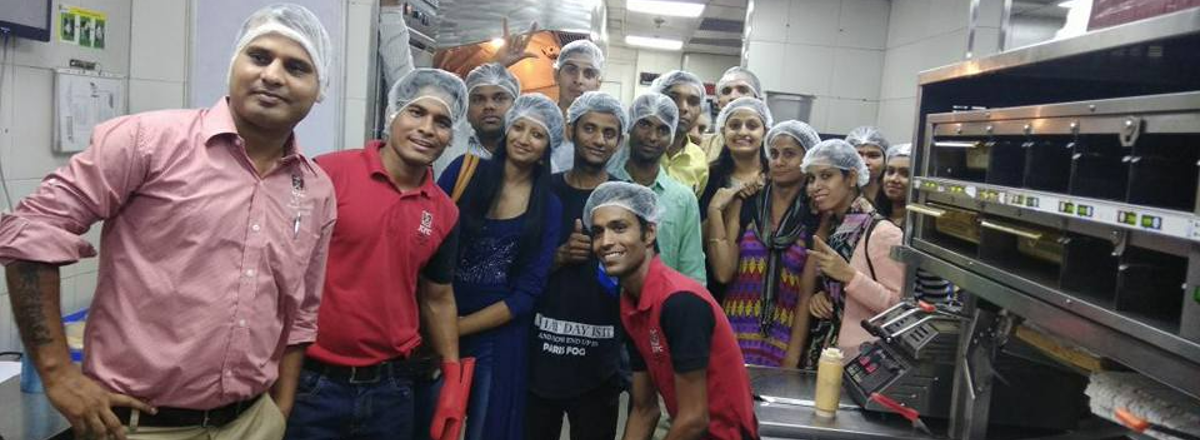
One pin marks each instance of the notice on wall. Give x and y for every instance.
(83, 100)
(83, 27)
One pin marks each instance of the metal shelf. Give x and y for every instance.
(1162, 356)
(1103, 111)
(1175, 224)
(1163, 27)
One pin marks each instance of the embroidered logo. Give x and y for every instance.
(426, 228)
(655, 345)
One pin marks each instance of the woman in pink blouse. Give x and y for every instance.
(856, 277)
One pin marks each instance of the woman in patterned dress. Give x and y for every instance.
(763, 265)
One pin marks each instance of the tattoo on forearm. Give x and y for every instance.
(24, 283)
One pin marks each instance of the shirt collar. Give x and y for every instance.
(659, 180)
(218, 121)
(375, 166)
(686, 151)
(652, 285)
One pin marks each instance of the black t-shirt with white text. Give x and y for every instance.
(577, 335)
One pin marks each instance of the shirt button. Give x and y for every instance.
(228, 373)
(255, 227)
(241, 323)
(249, 272)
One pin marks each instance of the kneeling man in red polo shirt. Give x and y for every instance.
(681, 344)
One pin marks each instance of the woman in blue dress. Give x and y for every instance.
(509, 225)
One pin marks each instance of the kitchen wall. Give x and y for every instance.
(831, 49)
(27, 114)
(924, 34)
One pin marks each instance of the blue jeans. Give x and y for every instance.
(328, 408)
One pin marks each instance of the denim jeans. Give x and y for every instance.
(328, 408)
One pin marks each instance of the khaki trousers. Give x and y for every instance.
(263, 421)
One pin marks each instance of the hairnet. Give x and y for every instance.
(746, 103)
(581, 50)
(538, 108)
(736, 73)
(639, 200)
(294, 22)
(664, 82)
(867, 135)
(598, 102)
(657, 105)
(436, 84)
(839, 154)
(899, 150)
(801, 132)
(494, 74)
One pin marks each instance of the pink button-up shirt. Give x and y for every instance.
(208, 272)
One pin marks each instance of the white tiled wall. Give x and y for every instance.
(833, 49)
(144, 44)
(707, 66)
(924, 34)
(358, 62)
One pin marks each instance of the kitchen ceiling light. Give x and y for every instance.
(666, 8)
(653, 42)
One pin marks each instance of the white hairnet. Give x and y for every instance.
(598, 102)
(867, 135)
(736, 73)
(435, 84)
(494, 74)
(538, 108)
(801, 132)
(746, 103)
(638, 199)
(581, 50)
(657, 105)
(839, 154)
(664, 82)
(899, 150)
(294, 22)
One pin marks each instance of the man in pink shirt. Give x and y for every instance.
(215, 235)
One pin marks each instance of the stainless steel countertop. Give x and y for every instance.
(788, 421)
(26, 416)
(791, 421)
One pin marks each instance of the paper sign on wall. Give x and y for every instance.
(84, 27)
(83, 100)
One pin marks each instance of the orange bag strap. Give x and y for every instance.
(470, 161)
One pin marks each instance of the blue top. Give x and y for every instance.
(485, 274)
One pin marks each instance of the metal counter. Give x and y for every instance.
(25, 416)
(798, 421)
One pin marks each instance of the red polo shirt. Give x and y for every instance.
(730, 405)
(384, 240)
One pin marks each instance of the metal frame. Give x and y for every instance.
(1068, 98)
(1175, 24)
(1148, 350)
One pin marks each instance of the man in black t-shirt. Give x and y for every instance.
(577, 336)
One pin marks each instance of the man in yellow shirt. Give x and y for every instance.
(684, 160)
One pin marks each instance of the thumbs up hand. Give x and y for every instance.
(830, 262)
(577, 249)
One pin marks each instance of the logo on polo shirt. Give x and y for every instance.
(426, 227)
(655, 345)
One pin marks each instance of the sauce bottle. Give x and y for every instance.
(829, 382)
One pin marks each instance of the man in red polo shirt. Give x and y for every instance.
(682, 347)
(391, 261)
